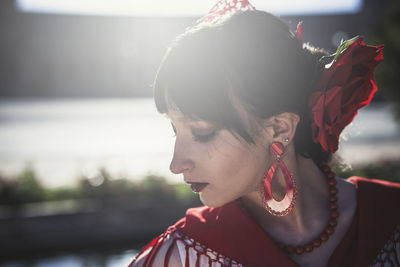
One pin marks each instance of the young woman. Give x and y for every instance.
(257, 115)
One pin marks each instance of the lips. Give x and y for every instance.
(197, 187)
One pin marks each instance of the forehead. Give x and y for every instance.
(250, 124)
(177, 116)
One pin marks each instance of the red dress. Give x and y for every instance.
(229, 236)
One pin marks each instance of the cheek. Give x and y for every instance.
(245, 170)
(238, 167)
(232, 178)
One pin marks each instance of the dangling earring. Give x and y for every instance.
(273, 206)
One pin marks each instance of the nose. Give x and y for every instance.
(181, 161)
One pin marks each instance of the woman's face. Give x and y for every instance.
(224, 167)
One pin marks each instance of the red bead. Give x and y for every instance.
(308, 248)
(333, 199)
(332, 222)
(324, 237)
(290, 249)
(329, 230)
(330, 175)
(316, 243)
(333, 191)
(299, 250)
(332, 182)
(326, 168)
(334, 214)
(280, 245)
(333, 206)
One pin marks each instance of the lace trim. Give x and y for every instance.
(390, 253)
(202, 255)
(194, 253)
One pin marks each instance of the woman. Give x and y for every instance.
(257, 116)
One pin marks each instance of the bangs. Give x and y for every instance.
(193, 77)
(197, 88)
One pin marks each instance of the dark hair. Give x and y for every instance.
(251, 55)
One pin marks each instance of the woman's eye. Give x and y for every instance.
(199, 134)
(203, 137)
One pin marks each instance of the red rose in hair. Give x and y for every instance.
(343, 87)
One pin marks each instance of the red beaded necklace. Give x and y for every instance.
(329, 229)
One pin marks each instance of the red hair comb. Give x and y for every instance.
(299, 32)
(224, 7)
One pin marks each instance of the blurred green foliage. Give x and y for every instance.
(388, 170)
(107, 190)
(387, 73)
(121, 192)
(182, 193)
(25, 188)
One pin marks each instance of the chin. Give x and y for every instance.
(213, 203)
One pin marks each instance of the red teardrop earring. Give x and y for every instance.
(273, 206)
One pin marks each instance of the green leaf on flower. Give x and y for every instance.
(326, 60)
(343, 45)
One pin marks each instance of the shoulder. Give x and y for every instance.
(377, 205)
(202, 215)
(378, 216)
(202, 235)
(365, 183)
(374, 191)
(163, 252)
(377, 197)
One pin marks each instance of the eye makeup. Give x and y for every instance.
(201, 135)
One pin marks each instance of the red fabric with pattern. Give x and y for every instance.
(232, 232)
(377, 216)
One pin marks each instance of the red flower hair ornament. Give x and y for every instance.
(345, 85)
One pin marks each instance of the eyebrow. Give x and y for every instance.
(185, 119)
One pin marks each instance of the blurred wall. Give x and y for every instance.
(67, 55)
(48, 55)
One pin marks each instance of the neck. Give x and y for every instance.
(310, 214)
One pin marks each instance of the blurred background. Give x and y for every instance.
(84, 156)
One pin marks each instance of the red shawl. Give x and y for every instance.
(230, 231)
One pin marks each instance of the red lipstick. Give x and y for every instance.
(197, 187)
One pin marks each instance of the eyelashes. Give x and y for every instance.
(199, 135)
(202, 138)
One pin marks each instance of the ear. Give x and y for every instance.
(283, 126)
